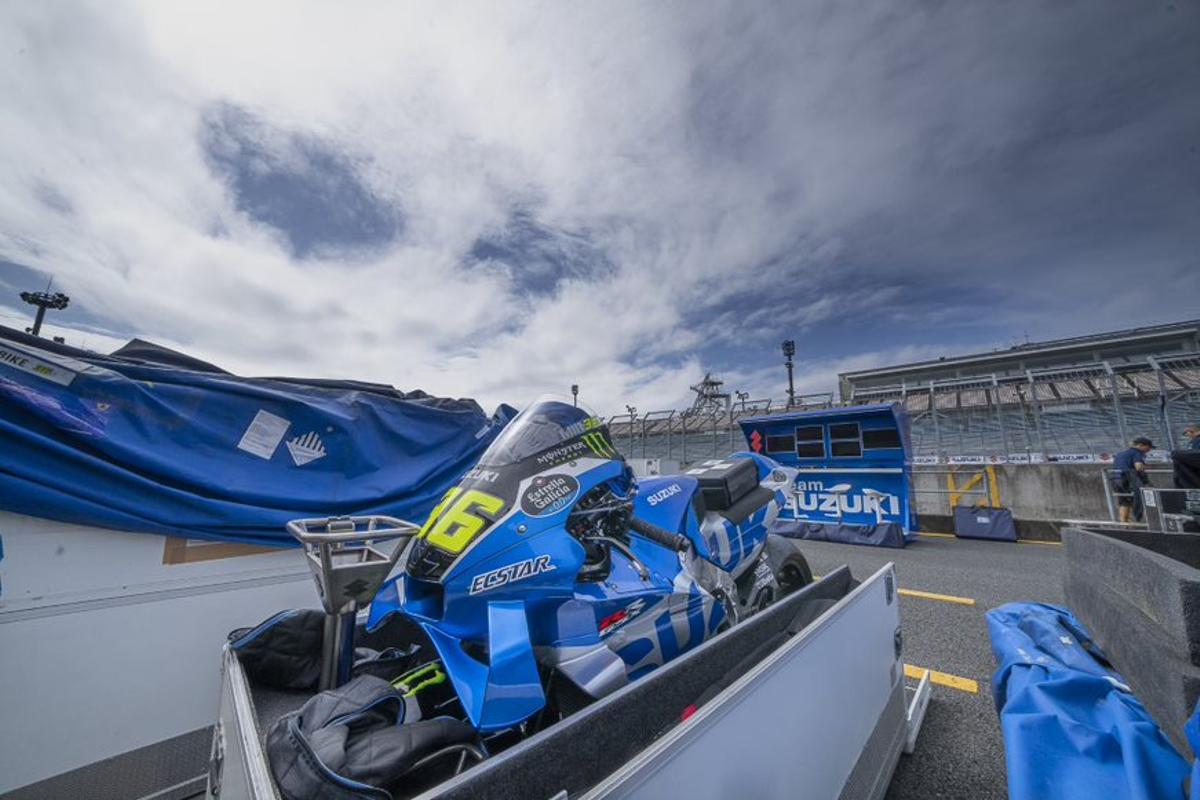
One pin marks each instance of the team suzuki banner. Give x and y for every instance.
(852, 472)
(151, 440)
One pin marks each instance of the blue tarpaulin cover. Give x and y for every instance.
(155, 441)
(1072, 729)
(1192, 730)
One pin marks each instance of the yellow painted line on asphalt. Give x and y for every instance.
(942, 679)
(1019, 541)
(943, 598)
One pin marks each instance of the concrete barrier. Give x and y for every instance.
(1138, 594)
(1039, 495)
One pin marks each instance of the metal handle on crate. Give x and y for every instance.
(338, 529)
(349, 562)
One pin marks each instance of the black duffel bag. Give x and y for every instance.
(353, 742)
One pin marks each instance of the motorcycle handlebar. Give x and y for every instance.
(662, 536)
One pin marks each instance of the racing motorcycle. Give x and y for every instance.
(550, 565)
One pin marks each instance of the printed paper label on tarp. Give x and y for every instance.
(263, 436)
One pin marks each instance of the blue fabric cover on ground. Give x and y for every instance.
(1071, 727)
(154, 441)
(885, 534)
(1192, 730)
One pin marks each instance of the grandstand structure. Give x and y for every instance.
(1073, 399)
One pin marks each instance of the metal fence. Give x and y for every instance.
(1084, 409)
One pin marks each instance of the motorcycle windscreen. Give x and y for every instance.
(506, 691)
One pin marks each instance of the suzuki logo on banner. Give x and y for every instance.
(842, 499)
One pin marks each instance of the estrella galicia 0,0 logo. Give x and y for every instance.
(549, 494)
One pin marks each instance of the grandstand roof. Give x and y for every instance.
(839, 411)
(1173, 337)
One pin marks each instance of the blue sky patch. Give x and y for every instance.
(301, 185)
(539, 256)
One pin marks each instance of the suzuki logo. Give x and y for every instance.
(837, 500)
(756, 442)
(663, 494)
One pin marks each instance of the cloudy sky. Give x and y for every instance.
(495, 200)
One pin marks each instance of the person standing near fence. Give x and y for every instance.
(1128, 476)
(1192, 434)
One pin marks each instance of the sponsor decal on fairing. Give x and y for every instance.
(549, 494)
(664, 494)
(566, 452)
(511, 573)
(763, 576)
(482, 475)
(619, 618)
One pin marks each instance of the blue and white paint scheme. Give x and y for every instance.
(503, 592)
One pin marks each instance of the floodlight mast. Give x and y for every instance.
(789, 352)
(44, 300)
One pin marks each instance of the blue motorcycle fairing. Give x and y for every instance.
(715, 538)
(625, 585)
(493, 542)
(505, 691)
(675, 512)
(665, 500)
(492, 551)
(456, 604)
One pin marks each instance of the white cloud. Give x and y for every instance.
(707, 151)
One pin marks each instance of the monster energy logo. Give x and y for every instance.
(599, 445)
(594, 441)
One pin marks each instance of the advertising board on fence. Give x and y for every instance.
(1153, 457)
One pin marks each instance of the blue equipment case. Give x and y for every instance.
(981, 522)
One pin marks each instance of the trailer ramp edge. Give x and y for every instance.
(826, 711)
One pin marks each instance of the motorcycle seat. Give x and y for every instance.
(725, 482)
(740, 511)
